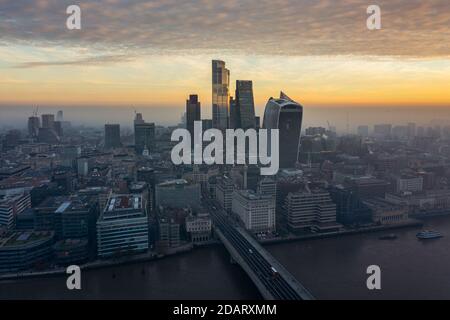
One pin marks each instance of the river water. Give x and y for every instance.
(332, 268)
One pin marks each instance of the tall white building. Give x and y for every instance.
(122, 228)
(256, 211)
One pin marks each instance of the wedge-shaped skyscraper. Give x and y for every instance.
(287, 116)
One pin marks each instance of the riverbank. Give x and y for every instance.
(98, 264)
(152, 256)
(372, 229)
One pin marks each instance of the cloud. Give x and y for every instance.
(90, 61)
(287, 27)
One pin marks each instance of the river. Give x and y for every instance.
(332, 268)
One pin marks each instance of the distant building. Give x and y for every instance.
(178, 193)
(382, 131)
(48, 121)
(363, 131)
(123, 227)
(60, 116)
(350, 209)
(34, 124)
(311, 210)
(193, 113)
(411, 183)
(286, 115)
(256, 211)
(112, 136)
(144, 137)
(385, 212)
(312, 131)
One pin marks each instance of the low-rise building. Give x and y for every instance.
(199, 227)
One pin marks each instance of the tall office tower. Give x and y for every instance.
(112, 136)
(144, 137)
(58, 127)
(48, 121)
(245, 104)
(60, 116)
(220, 94)
(139, 119)
(33, 126)
(286, 115)
(234, 115)
(193, 113)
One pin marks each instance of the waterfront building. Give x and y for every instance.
(256, 211)
(311, 210)
(25, 250)
(199, 227)
(71, 251)
(350, 209)
(123, 226)
(385, 212)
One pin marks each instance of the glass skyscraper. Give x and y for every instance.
(245, 105)
(220, 94)
(193, 113)
(286, 115)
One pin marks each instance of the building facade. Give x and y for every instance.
(122, 228)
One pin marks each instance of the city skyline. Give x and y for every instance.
(331, 60)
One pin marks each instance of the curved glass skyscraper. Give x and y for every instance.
(287, 116)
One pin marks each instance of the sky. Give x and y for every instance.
(150, 55)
